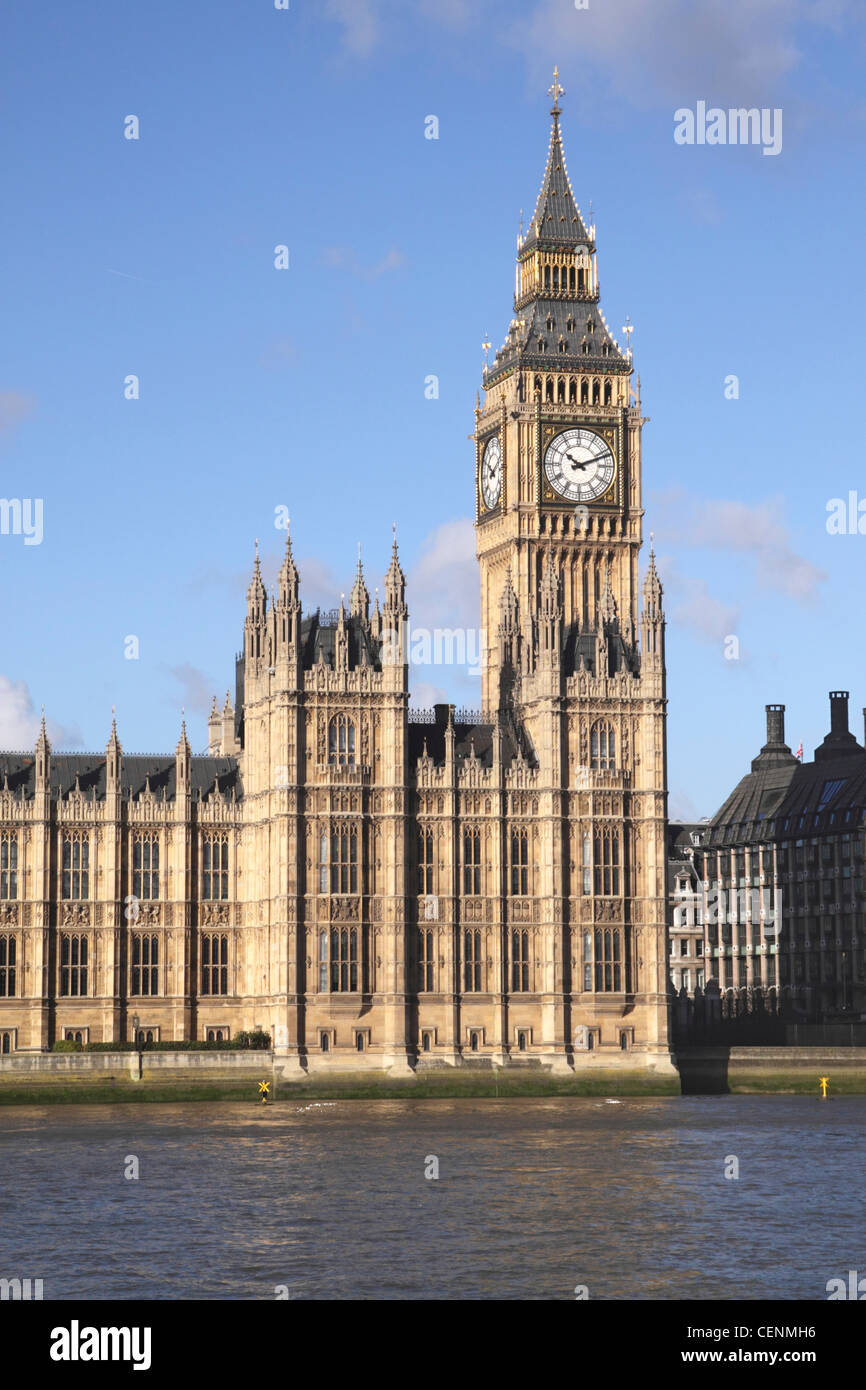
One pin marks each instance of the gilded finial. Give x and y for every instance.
(556, 91)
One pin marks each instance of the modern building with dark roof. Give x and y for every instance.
(781, 898)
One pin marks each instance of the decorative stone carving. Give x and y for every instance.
(608, 910)
(215, 915)
(344, 910)
(8, 915)
(75, 915)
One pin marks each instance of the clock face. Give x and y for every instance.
(491, 473)
(579, 465)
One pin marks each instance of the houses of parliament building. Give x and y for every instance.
(371, 886)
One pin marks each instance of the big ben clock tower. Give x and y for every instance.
(573, 661)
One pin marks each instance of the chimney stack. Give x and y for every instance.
(838, 712)
(775, 723)
(840, 742)
(775, 752)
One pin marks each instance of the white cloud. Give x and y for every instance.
(757, 530)
(731, 51)
(346, 258)
(424, 695)
(682, 808)
(360, 23)
(320, 587)
(443, 587)
(197, 689)
(20, 720)
(14, 407)
(691, 605)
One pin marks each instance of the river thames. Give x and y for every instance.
(534, 1199)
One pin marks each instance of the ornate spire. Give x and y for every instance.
(256, 594)
(183, 749)
(289, 579)
(652, 588)
(549, 586)
(113, 751)
(608, 602)
(508, 605)
(359, 599)
(557, 217)
(395, 582)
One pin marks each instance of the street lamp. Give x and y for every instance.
(135, 1023)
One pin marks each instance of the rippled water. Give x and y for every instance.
(533, 1198)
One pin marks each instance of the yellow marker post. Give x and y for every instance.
(264, 1087)
(823, 1082)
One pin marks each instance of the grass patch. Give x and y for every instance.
(842, 1083)
(459, 1084)
(454, 1085)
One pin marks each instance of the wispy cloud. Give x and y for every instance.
(346, 258)
(20, 720)
(15, 406)
(281, 352)
(443, 586)
(691, 605)
(360, 22)
(197, 689)
(757, 530)
(727, 50)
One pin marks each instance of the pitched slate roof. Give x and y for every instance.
(136, 769)
(557, 217)
(782, 797)
(557, 224)
(319, 639)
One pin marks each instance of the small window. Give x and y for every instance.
(473, 1041)
(325, 1042)
(521, 1042)
(425, 1042)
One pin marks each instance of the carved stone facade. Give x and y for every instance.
(375, 888)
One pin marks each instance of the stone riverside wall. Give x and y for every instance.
(47, 1067)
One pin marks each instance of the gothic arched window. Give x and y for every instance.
(8, 866)
(73, 965)
(341, 741)
(472, 862)
(520, 862)
(75, 879)
(606, 866)
(472, 961)
(608, 960)
(519, 962)
(602, 747)
(8, 957)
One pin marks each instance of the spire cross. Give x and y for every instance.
(556, 91)
(628, 329)
(486, 345)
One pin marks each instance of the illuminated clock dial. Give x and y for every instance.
(579, 465)
(491, 473)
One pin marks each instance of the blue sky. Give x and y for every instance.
(305, 388)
